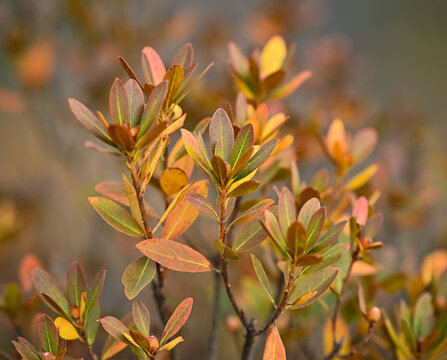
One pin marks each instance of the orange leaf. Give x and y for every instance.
(274, 347)
(174, 255)
(177, 319)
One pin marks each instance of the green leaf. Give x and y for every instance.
(245, 188)
(258, 158)
(252, 212)
(153, 67)
(137, 275)
(315, 225)
(221, 130)
(174, 256)
(274, 347)
(141, 317)
(249, 236)
(153, 107)
(330, 256)
(116, 216)
(12, 298)
(92, 324)
(76, 283)
(45, 283)
(244, 141)
(95, 292)
(134, 204)
(274, 231)
(329, 237)
(47, 334)
(177, 319)
(307, 211)
(175, 77)
(423, 311)
(135, 98)
(286, 210)
(202, 204)
(263, 279)
(26, 349)
(225, 250)
(115, 328)
(315, 284)
(118, 103)
(221, 169)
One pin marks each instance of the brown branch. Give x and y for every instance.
(88, 346)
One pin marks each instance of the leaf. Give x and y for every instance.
(330, 236)
(137, 275)
(135, 99)
(221, 130)
(315, 225)
(274, 347)
(290, 86)
(152, 135)
(336, 141)
(362, 177)
(177, 319)
(92, 324)
(141, 340)
(94, 294)
(360, 210)
(273, 80)
(133, 202)
(221, 169)
(172, 344)
(66, 330)
(116, 216)
(115, 190)
(244, 141)
(153, 107)
(118, 103)
(263, 279)
(121, 137)
(273, 55)
(274, 231)
(225, 250)
(115, 328)
(238, 59)
(113, 346)
(363, 144)
(286, 210)
(308, 210)
(296, 239)
(174, 256)
(47, 334)
(362, 301)
(202, 204)
(173, 180)
(249, 236)
(258, 158)
(184, 56)
(184, 213)
(26, 349)
(153, 67)
(76, 283)
(373, 225)
(88, 120)
(319, 282)
(245, 188)
(252, 212)
(141, 317)
(45, 283)
(423, 311)
(175, 77)
(331, 256)
(12, 299)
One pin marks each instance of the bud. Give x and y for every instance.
(153, 344)
(233, 323)
(48, 356)
(440, 302)
(374, 314)
(75, 312)
(367, 241)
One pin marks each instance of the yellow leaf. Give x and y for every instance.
(170, 345)
(173, 180)
(273, 55)
(362, 177)
(304, 298)
(336, 141)
(341, 331)
(82, 305)
(66, 330)
(283, 144)
(361, 268)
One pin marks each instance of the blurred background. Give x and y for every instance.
(376, 63)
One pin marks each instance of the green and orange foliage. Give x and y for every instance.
(302, 251)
